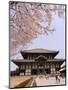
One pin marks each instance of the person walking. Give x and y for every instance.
(56, 76)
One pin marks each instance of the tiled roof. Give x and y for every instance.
(39, 50)
(25, 60)
(57, 60)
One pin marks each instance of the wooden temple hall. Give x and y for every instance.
(38, 61)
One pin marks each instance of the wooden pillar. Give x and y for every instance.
(19, 70)
(44, 68)
(37, 69)
(31, 69)
(25, 70)
(53, 69)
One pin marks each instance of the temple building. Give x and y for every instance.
(38, 61)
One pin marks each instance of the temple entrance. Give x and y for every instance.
(44, 71)
(41, 60)
(41, 71)
(34, 72)
(22, 72)
(48, 71)
(37, 71)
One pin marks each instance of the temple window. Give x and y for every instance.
(33, 56)
(26, 66)
(57, 65)
(28, 72)
(22, 66)
(33, 66)
(47, 65)
(49, 57)
(29, 66)
(52, 70)
(30, 57)
(53, 66)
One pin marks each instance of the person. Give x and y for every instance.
(56, 77)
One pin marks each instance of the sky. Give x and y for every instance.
(53, 41)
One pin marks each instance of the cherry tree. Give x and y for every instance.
(26, 19)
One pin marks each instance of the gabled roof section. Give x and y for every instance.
(39, 50)
(20, 61)
(41, 56)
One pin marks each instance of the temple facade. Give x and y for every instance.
(38, 61)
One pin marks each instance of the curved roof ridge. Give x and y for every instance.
(39, 50)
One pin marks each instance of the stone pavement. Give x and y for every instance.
(16, 80)
(43, 81)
